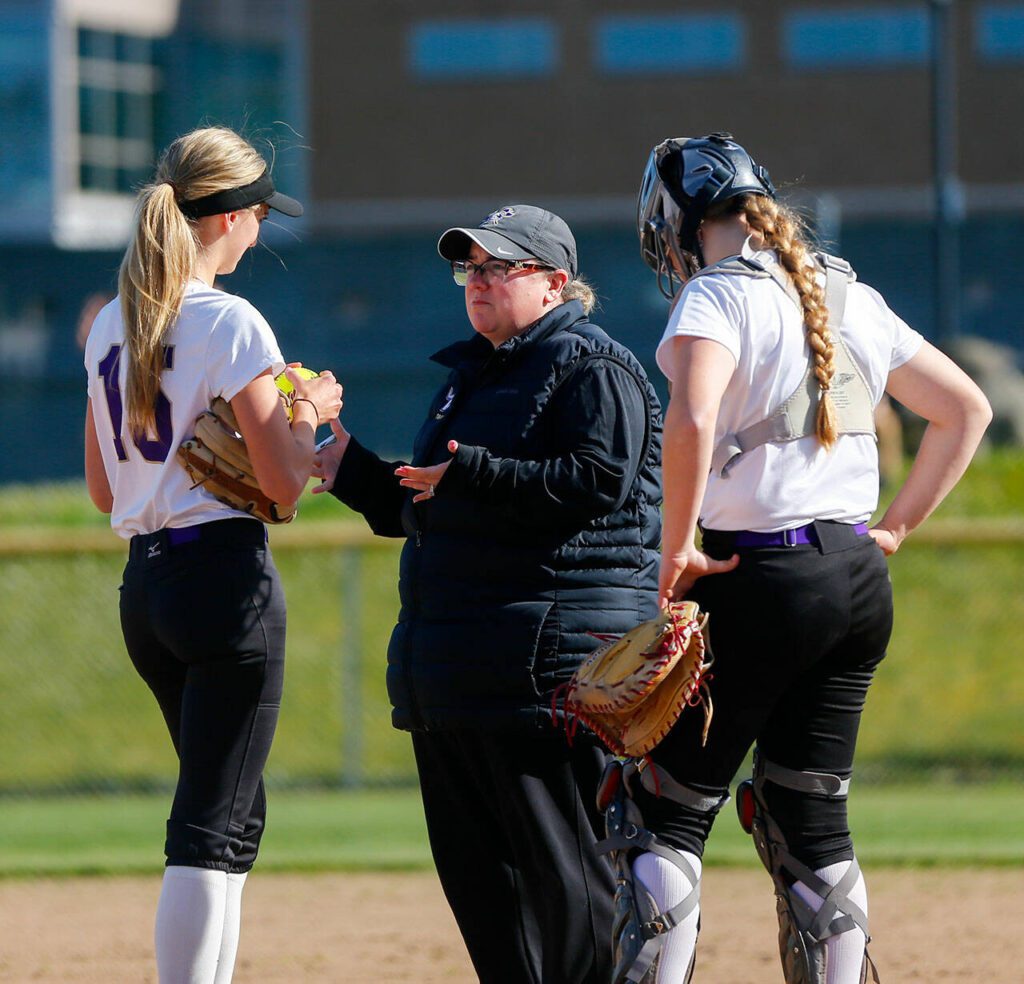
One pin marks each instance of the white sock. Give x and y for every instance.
(669, 886)
(190, 924)
(846, 951)
(232, 927)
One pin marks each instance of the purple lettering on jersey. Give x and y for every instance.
(155, 450)
(112, 391)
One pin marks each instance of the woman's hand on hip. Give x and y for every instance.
(426, 479)
(680, 571)
(886, 539)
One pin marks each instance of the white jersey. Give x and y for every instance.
(218, 344)
(783, 485)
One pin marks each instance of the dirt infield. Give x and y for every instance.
(929, 926)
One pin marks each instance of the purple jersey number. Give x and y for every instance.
(152, 450)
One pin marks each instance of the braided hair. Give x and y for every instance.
(784, 231)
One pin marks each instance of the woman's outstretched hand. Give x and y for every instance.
(328, 459)
(425, 480)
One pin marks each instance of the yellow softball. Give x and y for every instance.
(287, 390)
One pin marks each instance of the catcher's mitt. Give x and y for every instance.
(218, 459)
(632, 690)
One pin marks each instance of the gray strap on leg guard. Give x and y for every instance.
(639, 929)
(803, 931)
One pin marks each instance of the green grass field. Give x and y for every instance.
(993, 486)
(906, 825)
(67, 505)
(75, 716)
(946, 704)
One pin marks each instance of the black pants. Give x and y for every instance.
(796, 633)
(204, 623)
(513, 825)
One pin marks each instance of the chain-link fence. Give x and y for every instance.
(75, 717)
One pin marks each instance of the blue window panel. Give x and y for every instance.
(875, 37)
(999, 32)
(96, 44)
(231, 83)
(676, 44)
(500, 49)
(133, 49)
(25, 107)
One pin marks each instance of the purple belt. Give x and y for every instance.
(218, 532)
(184, 534)
(786, 538)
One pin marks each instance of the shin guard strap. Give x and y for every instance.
(659, 782)
(819, 783)
(636, 956)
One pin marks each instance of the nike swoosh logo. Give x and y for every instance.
(507, 252)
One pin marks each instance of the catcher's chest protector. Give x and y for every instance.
(796, 416)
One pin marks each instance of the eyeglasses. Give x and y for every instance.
(491, 271)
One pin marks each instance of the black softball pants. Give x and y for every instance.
(204, 623)
(796, 633)
(513, 826)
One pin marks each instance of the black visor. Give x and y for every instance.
(234, 199)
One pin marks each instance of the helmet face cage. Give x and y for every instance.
(658, 220)
(684, 176)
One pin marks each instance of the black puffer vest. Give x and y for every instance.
(497, 605)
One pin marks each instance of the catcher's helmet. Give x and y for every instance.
(686, 176)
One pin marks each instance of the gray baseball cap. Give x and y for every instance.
(516, 232)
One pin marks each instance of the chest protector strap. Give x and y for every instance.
(796, 416)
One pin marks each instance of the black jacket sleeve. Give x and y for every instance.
(368, 485)
(599, 423)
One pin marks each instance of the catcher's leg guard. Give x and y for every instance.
(803, 930)
(639, 929)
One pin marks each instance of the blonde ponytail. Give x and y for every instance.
(162, 255)
(157, 265)
(783, 231)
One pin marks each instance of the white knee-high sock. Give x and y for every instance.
(232, 928)
(845, 951)
(668, 887)
(190, 924)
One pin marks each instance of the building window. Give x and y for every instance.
(875, 37)
(24, 109)
(999, 32)
(117, 85)
(676, 44)
(235, 83)
(498, 50)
